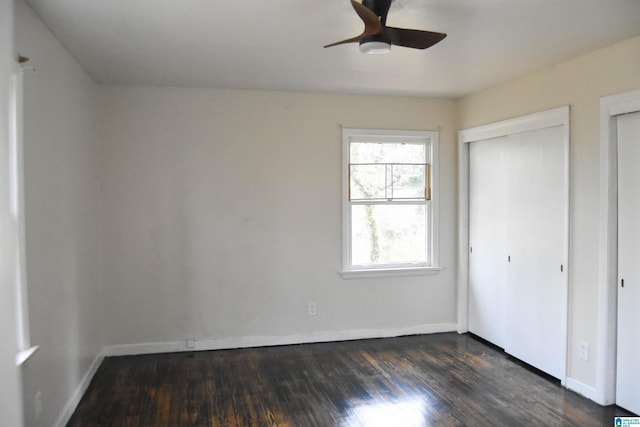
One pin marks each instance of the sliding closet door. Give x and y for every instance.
(537, 208)
(628, 368)
(518, 236)
(488, 162)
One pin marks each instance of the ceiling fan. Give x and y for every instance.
(378, 38)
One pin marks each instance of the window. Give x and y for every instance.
(389, 202)
(25, 349)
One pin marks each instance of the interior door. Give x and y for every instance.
(536, 298)
(628, 368)
(488, 161)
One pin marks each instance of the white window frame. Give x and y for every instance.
(431, 139)
(16, 167)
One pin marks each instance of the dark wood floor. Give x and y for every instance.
(432, 380)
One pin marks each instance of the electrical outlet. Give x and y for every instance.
(583, 353)
(191, 343)
(312, 309)
(37, 404)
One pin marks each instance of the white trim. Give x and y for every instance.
(432, 138)
(555, 117)
(463, 236)
(75, 398)
(390, 272)
(274, 340)
(24, 355)
(434, 159)
(540, 120)
(623, 104)
(610, 107)
(581, 388)
(23, 333)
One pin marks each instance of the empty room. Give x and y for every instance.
(319, 213)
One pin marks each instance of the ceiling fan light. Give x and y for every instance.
(375, 47)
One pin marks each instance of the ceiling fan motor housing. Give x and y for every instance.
(380, 38)
(375, 44)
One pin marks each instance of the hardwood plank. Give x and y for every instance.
(441, 379)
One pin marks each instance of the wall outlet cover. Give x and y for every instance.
(312, 309)
(583, 353)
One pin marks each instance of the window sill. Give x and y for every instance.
(390, 272)
(24, 355)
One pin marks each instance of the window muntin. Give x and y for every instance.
(388, 200)
(388, 181)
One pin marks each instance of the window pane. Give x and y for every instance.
(409, 181)
(388, 234)
(374, 152)
(368, 182)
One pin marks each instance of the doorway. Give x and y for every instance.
(615, 111)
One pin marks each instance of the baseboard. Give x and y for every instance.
(583, 389)
(73, 402)
(273, 340)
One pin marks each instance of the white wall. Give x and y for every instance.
(62, 219)
(10, 395)
(223, 217)
(579, 82)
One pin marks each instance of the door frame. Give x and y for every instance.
(544, 119)
(610, 107)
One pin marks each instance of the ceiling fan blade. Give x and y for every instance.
(417, 39)
(371, 21)
(379, 7)
(372, 24)
(351, 40)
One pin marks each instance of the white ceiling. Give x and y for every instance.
(277, 44)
